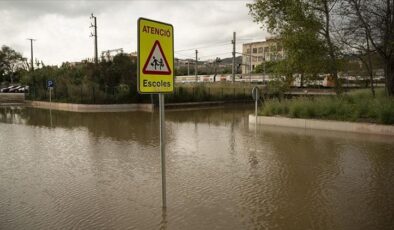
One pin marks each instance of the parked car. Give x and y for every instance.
(6, 90)
(15, 89)
(23, 89)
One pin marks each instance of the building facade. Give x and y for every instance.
(256, 53)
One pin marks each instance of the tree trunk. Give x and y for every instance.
(333, 67)
(331, 49)
(389, 75)
(370, 72)
(370, 67)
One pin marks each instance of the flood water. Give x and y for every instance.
(63, 170)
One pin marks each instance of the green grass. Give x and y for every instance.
(357, 106)
(210, 92)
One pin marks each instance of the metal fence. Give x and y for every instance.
(121, 94)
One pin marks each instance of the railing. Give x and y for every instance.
(123, 94)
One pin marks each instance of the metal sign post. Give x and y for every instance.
(256, 97)
(162, 150)
(255, 107)
(155, 73)
(50, 107)
(50, 85)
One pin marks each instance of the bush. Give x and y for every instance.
(355, 106)
(210, 92)
(386, 112)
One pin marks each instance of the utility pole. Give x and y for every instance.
(195, 66)
(264, 70)
(233, 42)
(250, 63)
(31, 53)
(94, 34)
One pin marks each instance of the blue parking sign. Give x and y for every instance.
(50, 83)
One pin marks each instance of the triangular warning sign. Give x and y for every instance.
(156, 62)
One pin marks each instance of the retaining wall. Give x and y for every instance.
(7, 98)
(90, 107)
(342, 126)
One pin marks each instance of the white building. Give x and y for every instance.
(255, 53)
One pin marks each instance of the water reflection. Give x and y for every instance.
(102, 171)
(119, 126)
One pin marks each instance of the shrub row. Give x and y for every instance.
(356, 106)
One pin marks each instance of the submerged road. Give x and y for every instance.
(64, 170)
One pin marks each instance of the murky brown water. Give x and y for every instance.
(102, 171)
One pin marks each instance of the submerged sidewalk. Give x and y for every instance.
(342, 126)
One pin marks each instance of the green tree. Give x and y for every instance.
(11, 64)
(305, 28)
(375, 21)
(109, 82)
(268, 67)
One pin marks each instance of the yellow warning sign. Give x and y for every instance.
(155, 57)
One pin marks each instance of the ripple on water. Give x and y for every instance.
(86, 174)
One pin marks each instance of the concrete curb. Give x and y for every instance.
(342, 126)
(89, 107)
(7, 98)
(202, 104)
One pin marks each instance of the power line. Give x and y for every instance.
(213, 55)
(203, 47)
(218, 44)
(190, 57)
(245, 54)
(245, 39)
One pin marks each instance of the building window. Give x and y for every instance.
(254, 58)
(260, 50)
(254, 50)
(260, 58)
(273, 58)
(273, 48)
(247, 50)
(266, 49)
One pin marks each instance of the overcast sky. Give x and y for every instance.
(62, 27)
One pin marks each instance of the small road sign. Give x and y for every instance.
(256, 97)
(155, 57)
(50, 84)
(156, 74)
(256, 93)
(156, 62)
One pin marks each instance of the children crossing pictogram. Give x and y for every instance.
(156, 62)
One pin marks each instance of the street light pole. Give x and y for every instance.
(94, 25)
(233, 69)
(31, 53)
(250, 62)
(263, 70)
(195, 66)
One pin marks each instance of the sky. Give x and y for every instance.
(62, 33)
